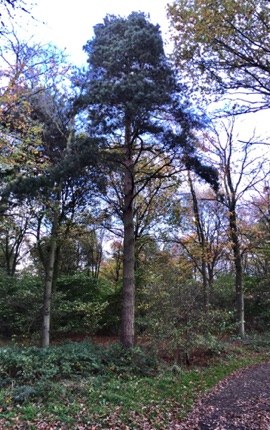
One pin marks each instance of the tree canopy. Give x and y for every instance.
(127, 60)
(223, 46)
(9, 6)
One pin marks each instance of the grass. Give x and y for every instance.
(129, 390)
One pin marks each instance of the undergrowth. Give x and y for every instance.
(81, 385)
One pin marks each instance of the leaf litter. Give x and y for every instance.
(239, 402)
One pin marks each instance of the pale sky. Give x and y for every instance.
(69, 24)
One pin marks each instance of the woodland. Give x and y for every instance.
(135, 213)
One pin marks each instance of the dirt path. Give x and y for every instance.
(240, 402)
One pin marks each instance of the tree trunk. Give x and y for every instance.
(128, 304)
(239, 291)
(210, 276)
(231, 195)
(48, 288)
(202, 242)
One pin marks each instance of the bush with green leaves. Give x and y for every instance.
(21, 304)
(257, 303)
(79, 305)
(78, 317)
(80, 287)
(171, 311)
(110, 321)
(29, 365)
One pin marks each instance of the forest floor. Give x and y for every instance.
(225, 392)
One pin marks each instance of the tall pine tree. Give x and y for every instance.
(132, 99)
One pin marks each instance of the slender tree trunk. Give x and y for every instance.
(52, 266)
(210, 277)
(7, 256)
(128, 304)
(56, 263)
(239, 291)
(48, 287)
(202, 242)
(205, 281)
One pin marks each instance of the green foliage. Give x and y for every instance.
(130, 81)
(258, 342)
(29, 365)
(78, 317)
(132, 77)
(82, 304)
(223, 294)
(169, 305)
(130, 361)
(170, 309)
(21, 304)
(115, 397)
(80, 287)
(257, 309)
(79, 305)
(110, 321)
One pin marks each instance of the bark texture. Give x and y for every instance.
(128, 305)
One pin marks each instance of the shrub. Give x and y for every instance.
(21, 304)
(29, 365)
(82, 305)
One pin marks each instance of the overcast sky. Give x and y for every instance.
(69, 24)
